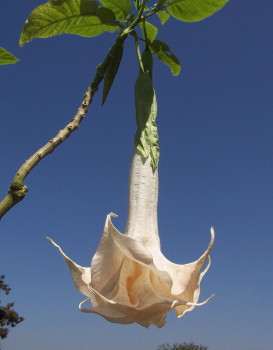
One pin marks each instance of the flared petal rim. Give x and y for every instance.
(128, 283)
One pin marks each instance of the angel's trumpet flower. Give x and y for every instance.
(130, 280)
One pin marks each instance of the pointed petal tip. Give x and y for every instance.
(52, 242)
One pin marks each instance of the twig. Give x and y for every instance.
(18, 190)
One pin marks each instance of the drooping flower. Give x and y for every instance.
(129, 279)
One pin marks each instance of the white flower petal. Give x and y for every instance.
(113, 247)
(81, 275)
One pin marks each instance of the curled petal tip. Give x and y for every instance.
(83, 302)
(174, 303)
(202, 303)
(212, 232)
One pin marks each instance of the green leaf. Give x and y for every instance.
(81, 17)
(116, 52)
(163, 16)
(146, 138)
(121, 8)
(194, 10)
(136, 4)
(165, 55)
(161, 3)
(151, 30)
(6, 57)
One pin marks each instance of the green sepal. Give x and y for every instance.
(194, 10)
(147, 61)
(146, 137)
(81, 17)
(121, 8)
(165, 55)
(116, 53)
(6, 57)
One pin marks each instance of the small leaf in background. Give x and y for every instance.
(146, 8)
(111, 72)
(161, 3)
(151, 30)
(106, 15)
(65, 16)
(163, 16)
(194, 10)
(6, 57)
(121, 8)
(165, 55)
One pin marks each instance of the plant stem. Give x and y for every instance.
(18, 190)
(136, 21)
(157, 9)
(138, 55)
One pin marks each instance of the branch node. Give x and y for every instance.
(18, 192)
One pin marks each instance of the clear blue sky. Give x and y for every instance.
(215, 124)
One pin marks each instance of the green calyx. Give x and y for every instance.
(146, 137)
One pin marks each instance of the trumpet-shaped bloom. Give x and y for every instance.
(130, 280)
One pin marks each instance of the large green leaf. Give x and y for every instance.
(6, 57)
(194, 10)
(165, 55)
(121, 8)
(82, 17)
